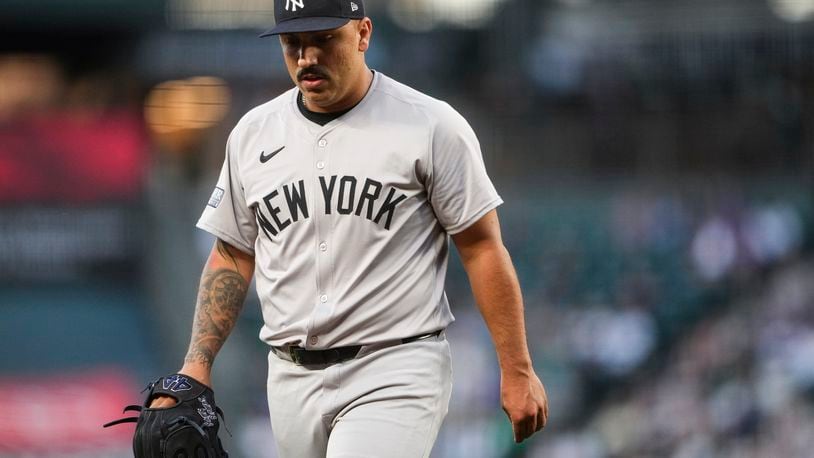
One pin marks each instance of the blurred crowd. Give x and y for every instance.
(737, 384)
(723, 368)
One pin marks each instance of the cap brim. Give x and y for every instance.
(307, 24)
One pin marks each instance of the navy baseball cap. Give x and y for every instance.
(293, 16)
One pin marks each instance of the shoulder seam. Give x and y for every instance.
(425, 112)
(422, 107)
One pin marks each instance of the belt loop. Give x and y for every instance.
(422, 336)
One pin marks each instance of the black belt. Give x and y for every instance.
(303, 357)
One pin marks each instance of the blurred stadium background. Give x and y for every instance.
(655, 157)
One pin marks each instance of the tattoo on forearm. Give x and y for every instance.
(220, 299)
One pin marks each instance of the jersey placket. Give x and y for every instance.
(324, 301)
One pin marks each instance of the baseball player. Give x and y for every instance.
(341, 195)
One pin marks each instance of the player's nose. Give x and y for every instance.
(307, 57)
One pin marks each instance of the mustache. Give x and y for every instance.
(314, 70)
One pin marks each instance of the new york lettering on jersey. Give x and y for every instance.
(343, 195)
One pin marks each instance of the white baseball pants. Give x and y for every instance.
(388, 402)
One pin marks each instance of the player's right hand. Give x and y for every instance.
(525, 402)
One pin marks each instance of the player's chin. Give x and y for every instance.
(320, 96)
(314, 93)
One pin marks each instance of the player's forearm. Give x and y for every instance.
(221, 293)
(220, 299)
(497, 293)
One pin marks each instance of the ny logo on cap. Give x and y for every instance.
(291, 5)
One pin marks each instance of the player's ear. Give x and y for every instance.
(365, 31)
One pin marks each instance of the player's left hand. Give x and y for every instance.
(524, 400)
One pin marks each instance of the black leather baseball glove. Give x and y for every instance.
(189, 429)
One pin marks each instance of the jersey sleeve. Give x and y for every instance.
(226, 215)
(459, 188)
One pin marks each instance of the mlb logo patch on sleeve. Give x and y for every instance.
(217, 195)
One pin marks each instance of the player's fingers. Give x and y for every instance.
(516, 428)
(533, 424)
(541, 420)
(523, 428)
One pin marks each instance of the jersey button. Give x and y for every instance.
(320, 165)
(323, 298)
(323, 246)
(323, 143)
(313, 340)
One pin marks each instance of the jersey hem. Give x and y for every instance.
(475, 217)
(240, 245)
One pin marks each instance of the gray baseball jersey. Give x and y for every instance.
(349, 222)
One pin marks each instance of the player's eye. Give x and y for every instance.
(289, 41)
(323, 39)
